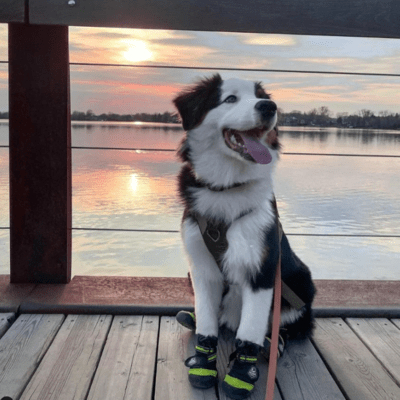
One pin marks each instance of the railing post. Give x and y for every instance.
(40, 154)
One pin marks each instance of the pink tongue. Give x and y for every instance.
(259, 152)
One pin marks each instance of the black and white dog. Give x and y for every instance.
(229, 227)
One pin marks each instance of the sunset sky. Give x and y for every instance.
(132, 90)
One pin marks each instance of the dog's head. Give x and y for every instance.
(235, 118)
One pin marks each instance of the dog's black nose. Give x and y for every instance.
(267, 108)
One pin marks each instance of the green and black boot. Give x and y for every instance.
(239, 382)
(203, 365)
(265, 350)
(187, 319)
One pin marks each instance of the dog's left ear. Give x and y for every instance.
(194, 103)
(260, 91)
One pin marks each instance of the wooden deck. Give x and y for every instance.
(65, 357)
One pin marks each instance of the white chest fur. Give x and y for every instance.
(246, 243)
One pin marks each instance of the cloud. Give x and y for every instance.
(331, 61)
(103, 45)
(269, 40)
(151, 90)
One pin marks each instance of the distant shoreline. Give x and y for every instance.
(316, 118)
(178, 127)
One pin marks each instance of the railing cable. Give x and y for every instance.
(283, 153)
(137, 149)
(294, 71)
(347, 235)
(198, 67)
(287, 234)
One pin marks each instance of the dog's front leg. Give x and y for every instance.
(239, 382)
(206, 277)
(208, 285)
(255, 314)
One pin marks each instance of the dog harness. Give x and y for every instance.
(214, 236)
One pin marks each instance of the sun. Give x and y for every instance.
(136, 50)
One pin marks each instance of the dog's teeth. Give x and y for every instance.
(233, 139)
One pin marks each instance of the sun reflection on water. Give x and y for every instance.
(134, 182)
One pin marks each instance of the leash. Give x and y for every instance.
(276, 317)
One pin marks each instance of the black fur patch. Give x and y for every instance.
(276, 145)
(184, 151)
(303, 327)
(187, 181)
(295, 273)
(194, 103)
(266, 277)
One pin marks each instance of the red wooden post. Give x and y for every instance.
(40, 154)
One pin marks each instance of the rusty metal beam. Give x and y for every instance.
(40, 154)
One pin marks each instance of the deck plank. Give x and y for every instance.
(396, 321)
(225, 348)
(6, 320)
(358, 372)
(383, 340)
(69, 365)
(130, 353)
(22, 349)
(302, 374)
(175, 345)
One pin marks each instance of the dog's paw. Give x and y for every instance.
(239, 382)
(203, 365)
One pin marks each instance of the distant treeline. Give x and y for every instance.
(324, 117)
(321, 117)
(89, 115)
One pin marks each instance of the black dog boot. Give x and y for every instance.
(203, 365)
(187, 319)
(239, 382)
(265, 350)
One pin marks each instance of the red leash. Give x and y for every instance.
(273, 353)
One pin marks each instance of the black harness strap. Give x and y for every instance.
(214, 236)
(291, 297)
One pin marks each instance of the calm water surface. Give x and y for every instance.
(136, 190)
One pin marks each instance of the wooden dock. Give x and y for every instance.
(65, 357)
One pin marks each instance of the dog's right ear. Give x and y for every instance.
(194, 102)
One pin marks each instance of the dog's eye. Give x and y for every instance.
(230, 99)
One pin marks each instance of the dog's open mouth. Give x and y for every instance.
(247, 145)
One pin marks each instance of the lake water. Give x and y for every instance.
(126, 213)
